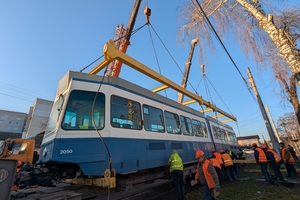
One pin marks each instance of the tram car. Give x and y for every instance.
(222, 135)
(98, 123)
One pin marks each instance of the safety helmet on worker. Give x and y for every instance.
(221, 151)
(199, 153)
(263, 146)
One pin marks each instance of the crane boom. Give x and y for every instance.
(116, 67)
(187, 68)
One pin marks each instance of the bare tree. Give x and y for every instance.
(288, 126)
(268, 30)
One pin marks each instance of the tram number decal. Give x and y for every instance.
(67, 151)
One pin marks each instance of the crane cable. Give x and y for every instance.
(93, 108)
(222, 44)
(171, 55)
(159, 69)
(133, 32)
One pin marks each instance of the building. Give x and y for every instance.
(247, 141)
(37, 118)
(11, 124)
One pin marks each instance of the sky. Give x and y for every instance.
(41, 40)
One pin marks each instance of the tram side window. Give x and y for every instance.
(186, 126)
(153, 119)
(81, 114)
(227, 136)
(232, 137)
(216, 132)
(204, 130)
(222, 134)
(199, 128)
(172, 123)
(125, 113)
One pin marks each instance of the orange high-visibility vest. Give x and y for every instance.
(215, 162)
(277, 158)
(218, 157)
(227, 160)
(291, 160)
(208, 177)
(261, 155)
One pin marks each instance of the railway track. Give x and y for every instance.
(155, 190)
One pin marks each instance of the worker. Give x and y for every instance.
(242, 154)
(218, 157)
(233, 157)
(217, 167)
(288, 160)
(228, 164)
(291, 149)
(176, 169)
(262, 160)
(222, 165)
(275, 161)
(207, 176)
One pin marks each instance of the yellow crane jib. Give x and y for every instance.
(217, 116)
(112, 53)
(189, 102)
(160, 88)
(206, 110)
(226, 120)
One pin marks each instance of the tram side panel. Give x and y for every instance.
(223, 135)
(133, 144)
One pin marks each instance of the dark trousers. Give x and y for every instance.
(236, 168)
(178, 182)
(208, 193)
(230, 173)
(290, 170)
(218, 170)
(264, 170)
(277, 171)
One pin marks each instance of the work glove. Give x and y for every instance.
(218, 188)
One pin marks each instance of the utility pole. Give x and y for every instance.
(264, 114)
(187, 68)
(273, 125)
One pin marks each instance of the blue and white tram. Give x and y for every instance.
(223, 135)
(97, 122)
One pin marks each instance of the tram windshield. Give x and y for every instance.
(82, 113)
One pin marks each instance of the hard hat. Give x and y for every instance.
(263, 146)
(221, 151)
(254, 145)
(199, 153)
